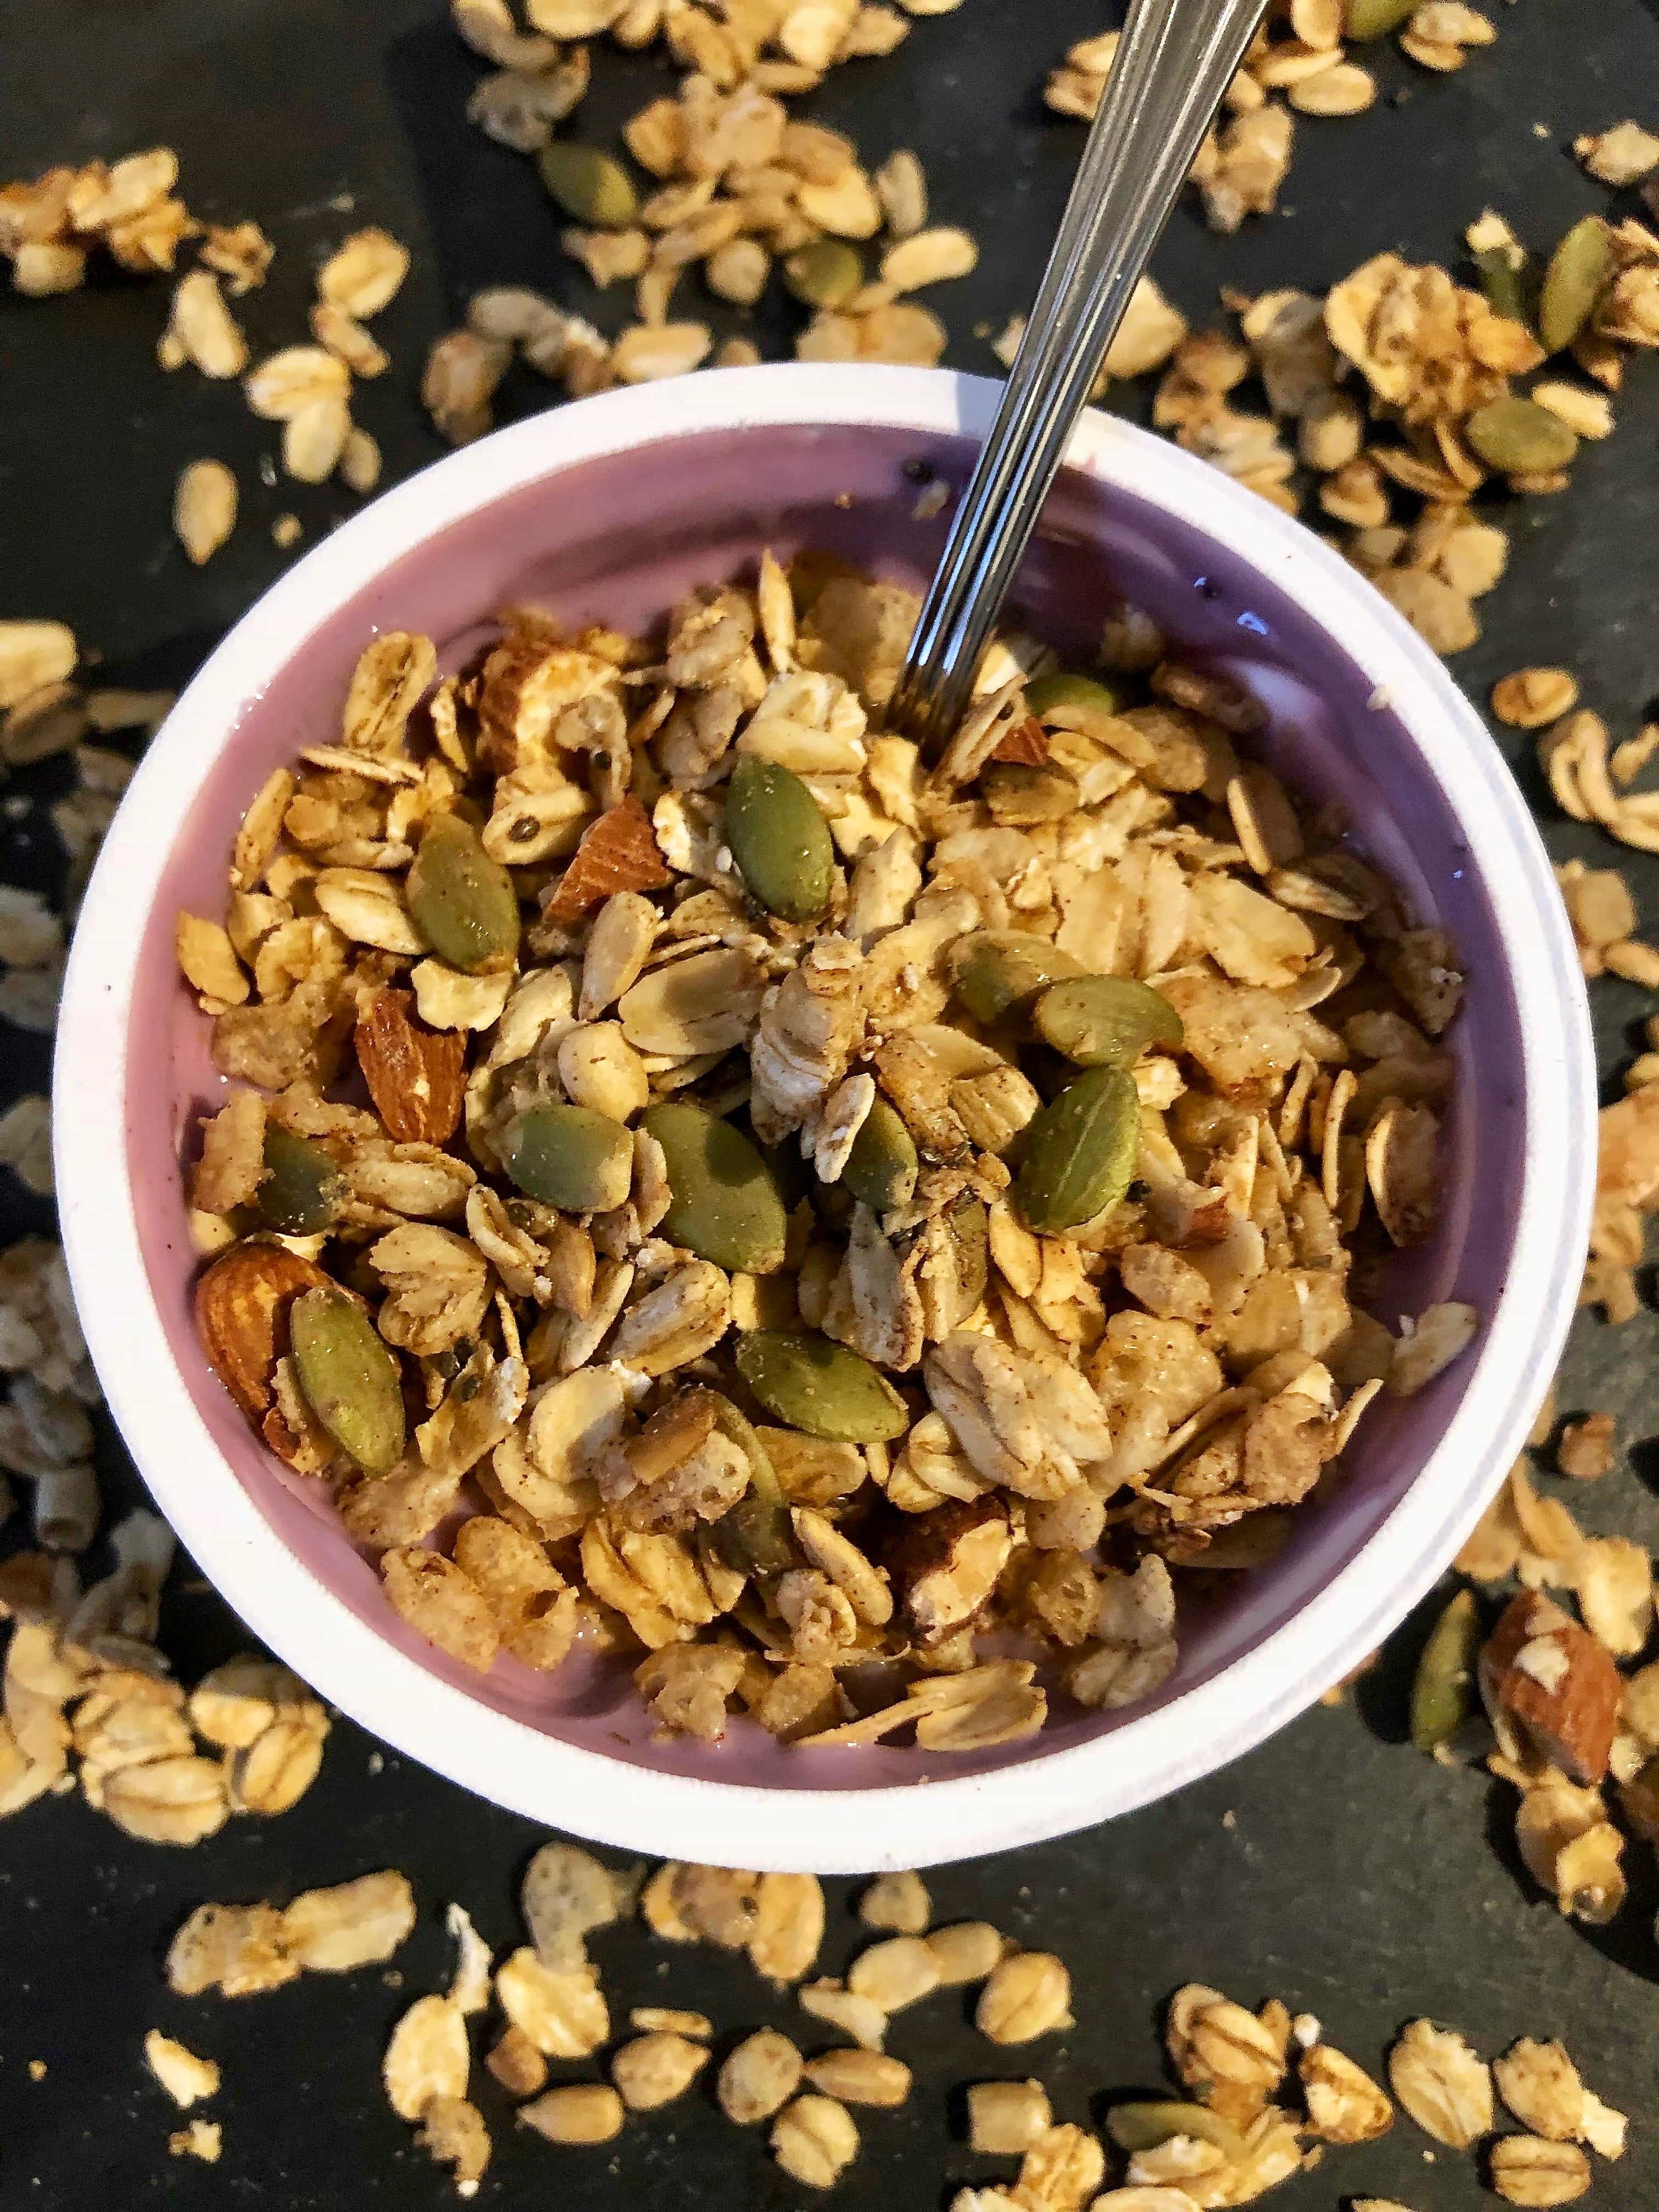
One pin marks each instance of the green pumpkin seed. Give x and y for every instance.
(350, 1378)
(1375, 18)
(725, 1204)
(1062, 692)
(591, 186)
(1145, 2126)
(825, 273)
(462, 901)
(1443, 1690)
(1504, 282)
(1519, 437)
(970, 1227)
(571, 1157)
(822, 1389)
(1105, 1021)
(302, 1187)
(1577, 277)
(882, 1167)
(1080, 1152)
(755, 1535)
(780, 840)
(1020, 792)
(1639, 1801)
(998, 972)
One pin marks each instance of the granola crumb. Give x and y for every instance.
(201, 2139)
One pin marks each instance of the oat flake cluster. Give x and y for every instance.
(815, 1207)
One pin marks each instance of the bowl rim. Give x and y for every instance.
(916, 1823)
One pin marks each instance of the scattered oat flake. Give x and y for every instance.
(186, 2078)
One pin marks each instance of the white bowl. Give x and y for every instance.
(611, 504)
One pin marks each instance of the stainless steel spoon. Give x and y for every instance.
(1176, 59)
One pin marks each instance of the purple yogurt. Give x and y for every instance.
(614, 539)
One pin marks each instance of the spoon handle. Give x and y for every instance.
(1176, 59)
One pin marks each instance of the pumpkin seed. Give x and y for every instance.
(1577, 274)
(755, 1535)
(825, 273)
(1145, 2126)
(1639, 1801)
(1105, 1021)
(882, 1167)
(591, 186)
(725, 1204)
(1081, 1152)
(1519, 437)
(998, 972)
(571, 1157)
(969, 1229)
(1020, 792)
(1055, 693)
(779, 839)
(461, 901)
(351, 1379)
(301, 1188)
(820, 1388)
(1375, 18)
(1443, 1690)
(1505, 282)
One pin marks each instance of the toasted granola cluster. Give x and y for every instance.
(813, 1207)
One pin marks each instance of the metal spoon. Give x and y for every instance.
(1176, 59)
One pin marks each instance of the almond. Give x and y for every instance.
(1540, 1669)
(241, 1317)
(416, 1076)
(618, 852)
(1027, 742)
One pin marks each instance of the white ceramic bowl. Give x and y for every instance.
(606, 508)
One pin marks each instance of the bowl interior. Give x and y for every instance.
(615, 539)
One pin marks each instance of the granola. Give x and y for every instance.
(1057, 1298)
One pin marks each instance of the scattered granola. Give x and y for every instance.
(186, 2078)
(201, 2139)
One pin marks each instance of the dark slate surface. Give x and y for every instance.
(1334, 1868)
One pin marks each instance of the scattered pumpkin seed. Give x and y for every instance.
(1577, 274)
(882, 1167)
(1519, 437)
(998, 972)
(1505, 282)
(1639, 1800)
(1375, 18)
(301, 1188)
(725, 1204)
(1443, 1690)
(1020, 792)
(571, 1157)
(1105, 1021)
(820, 1388)
(591, 186)
(350, 1379)
(461, 901)
(780, 840)
(824, 273)
(1063, 690)
(1145, 2126)
(1081, 1151)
